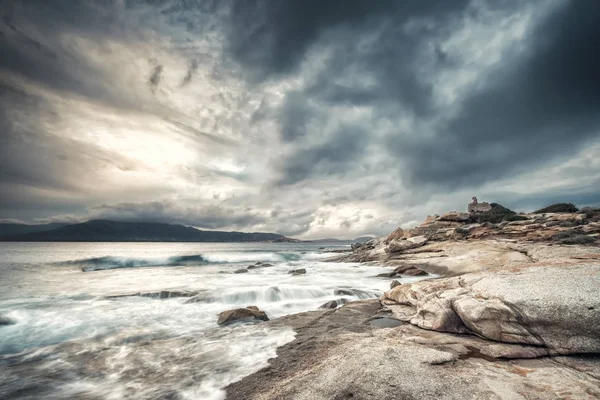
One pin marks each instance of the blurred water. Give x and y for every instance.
(77, 333)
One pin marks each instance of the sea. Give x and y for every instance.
(139, 320)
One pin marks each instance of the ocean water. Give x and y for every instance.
(139, 320)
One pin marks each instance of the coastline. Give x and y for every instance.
(514, 314)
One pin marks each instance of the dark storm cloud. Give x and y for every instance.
(532, 107)
(272, 37)
(330, 158)
(541, 105)
(207, 216)
(31, 46)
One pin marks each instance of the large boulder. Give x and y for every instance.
(556, 307)
(558, 208)
(398, 234)
(329, 304)
(455, 216)
(248, 314)
(396, 246)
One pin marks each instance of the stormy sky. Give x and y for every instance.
(329, 118)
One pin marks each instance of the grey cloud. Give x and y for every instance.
(207, 216)
(332, 157)
(273, 37)
(155, 78)
(531, 109)
(190, 73)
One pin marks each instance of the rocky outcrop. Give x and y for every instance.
(343, 354)
(248, 314)
(445, 234)
(557, 308)
(455, 216)
(476, 208)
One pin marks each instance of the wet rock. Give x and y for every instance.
(248, 314)
(4, 320)
(386, 275)
(414, 272)
(259, 265)
(394, 284)
(361, 294)
(300, 271)
(240, 271)
(161, 295)
(329, 304)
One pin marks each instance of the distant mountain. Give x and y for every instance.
(363, 239)
(112, 231)
(330, 240)
(21, 229)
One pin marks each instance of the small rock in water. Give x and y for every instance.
(344, 292)
(300, 271)
(386, 275)
(330, 304)
(259, 265)
(248, 314)
(415, 272)
(4, 320)
(394, 284)
(240, 271)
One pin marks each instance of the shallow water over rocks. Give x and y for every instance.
(141, 325)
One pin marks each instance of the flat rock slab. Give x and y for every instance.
(340, 354)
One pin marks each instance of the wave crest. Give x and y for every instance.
(112, 262)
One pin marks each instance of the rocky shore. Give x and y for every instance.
(514, 314)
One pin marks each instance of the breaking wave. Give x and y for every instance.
(111, 262)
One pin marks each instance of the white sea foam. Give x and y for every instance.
(115, 347)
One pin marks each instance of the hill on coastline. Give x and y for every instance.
(113, 231)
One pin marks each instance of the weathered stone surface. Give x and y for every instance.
(386, 275)
(455, 216)
(395, 246)
(240, 271)
(248, 314)
(338, 354)
(398, 234)
(394, 283)
(554, 307)
(300, 271)
(430, 219)
(476, 207)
